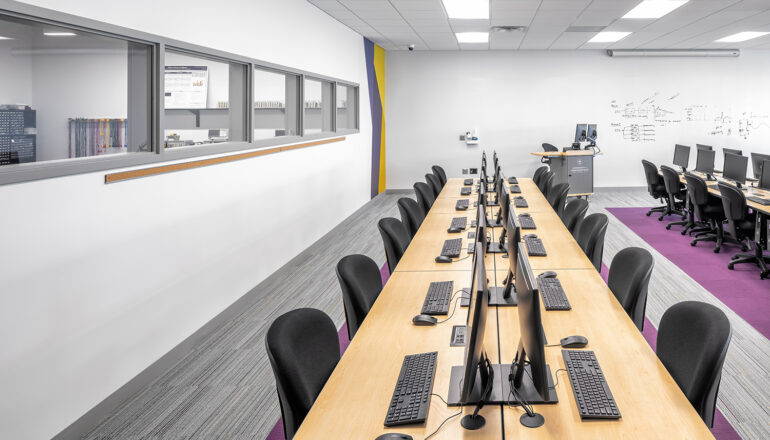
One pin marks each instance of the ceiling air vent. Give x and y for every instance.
(509, 28)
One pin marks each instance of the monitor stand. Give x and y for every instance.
(527, 389)
(495, 248)
(501, 387)
(493, 223)
(497, 297)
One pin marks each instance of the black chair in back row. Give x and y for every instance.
(628, 279)
(303, 349)
(590, 237)
(411, 214)
(545, 183)
(548, 148)
(538, 176)
(434, 184)
(439, 172)
(693, 338)
(741, 226)
(655, 187)
(424, 195)
(557, 197)
(573, 214)
(361, 284)
(676, 193)
(707, 209)
(395, 238)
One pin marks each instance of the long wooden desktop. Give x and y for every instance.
(354, 402)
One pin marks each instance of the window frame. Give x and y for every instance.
(19, 173)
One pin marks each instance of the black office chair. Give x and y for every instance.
(557, 197)
(435, 184)
(741, 226)
(693, 338)
(395, 238)
(547, 148)
(546, 182)
(424, 196)
(361, 284)
(538, 176)
(655, 187)
(707, 209)
(629, 276)
(411, 214)
(439, 172)
(303, 349)
(676, 193)
(590, 237)
(573, 214)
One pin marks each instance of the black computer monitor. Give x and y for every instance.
(581, 131)
(705, 162)
(506, 295)
(481, 223)
(536, 386)
(703, 147)
(591, 135)
(682, 156)
(764, 179)
(756, 163)
(735, 168)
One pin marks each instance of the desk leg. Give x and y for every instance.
(760, 231)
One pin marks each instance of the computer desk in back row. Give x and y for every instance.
(447, 199)
(651, 404)
(354, 401)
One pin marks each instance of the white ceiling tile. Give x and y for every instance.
(512, 18)
(474, 46)
(417, 5)
(420, 28)
(564, 5)
(596, 17)
(328, 5)
(367, 5)
(469, 25)
(505, 40)
(571, 40)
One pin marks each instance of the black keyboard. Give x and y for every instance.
(592, 394)
(468, 182)
(513, 180)
(535, 246)
(761, 201)
(459, 223)
(520, 202)
(526, 222)
(515, 189)
(438, 297)
(411, 397)
(452, 247)
(465, 191)
(553, 294)
(461, 205)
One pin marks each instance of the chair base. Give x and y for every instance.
(757, 258)
(657, 209)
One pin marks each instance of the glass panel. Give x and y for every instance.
(205, 100)
(318, 106)
(347, 103)
(276, 98)
(67, 93)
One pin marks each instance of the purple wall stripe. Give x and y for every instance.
(375, 103)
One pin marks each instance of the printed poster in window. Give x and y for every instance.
(186, 86)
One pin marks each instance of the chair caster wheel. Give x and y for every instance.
(693, 243)
(668, 227)
(730, 266)
(660, 219)
(744, 249)
(716, 250)
(648, 214)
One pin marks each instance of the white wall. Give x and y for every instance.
(99, 281)
(518, 100)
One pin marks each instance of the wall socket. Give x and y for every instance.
(462, 137)
(465, 170)
(474, 170)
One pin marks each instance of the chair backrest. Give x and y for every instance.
(693, 338)
(573, 214)
(411, 214)
(361, 284)
(549, 147)
(395, 238)
(671, 181)
(734, 204)
(557, 197)
(424, 196)
(653, 178)
(303, 349)
(439, 172)
(435, 184)
(698, 193)
(539, 175)
(590, 237)
(629, 276)
(545, 182)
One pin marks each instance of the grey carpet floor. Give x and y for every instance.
(225, 388)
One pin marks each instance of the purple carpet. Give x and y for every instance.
(277, 432)
(740, 289)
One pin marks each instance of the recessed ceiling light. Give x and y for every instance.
(654, 8)
(472, 37)
(59, 34)
(741, 36)
(5, 38)
(608, 37)
(468, 9)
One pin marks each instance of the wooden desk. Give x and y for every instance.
(563, 153)
(650, 402)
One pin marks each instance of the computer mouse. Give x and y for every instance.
(454, 230)
(531, 235)
(394, 436)
(548, 274)
(575, 341)
(443, 259)
(424, 320)
(526, 214)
